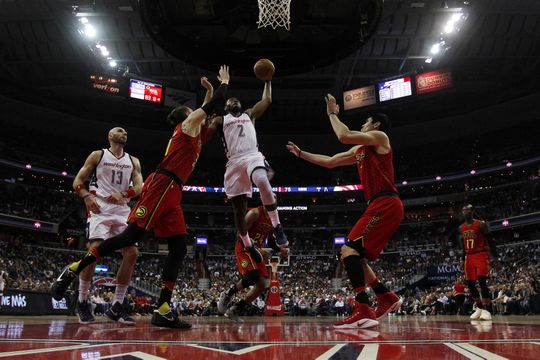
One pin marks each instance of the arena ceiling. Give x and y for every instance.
(46, 60)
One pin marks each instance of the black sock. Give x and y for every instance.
(380, 288)
(241, 304)
(353, 265)
(164, 296)
(362, 298)
(233, 290)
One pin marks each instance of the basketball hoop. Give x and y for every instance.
(274, 13)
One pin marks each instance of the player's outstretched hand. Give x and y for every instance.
(91, 204)
(206, 84)
(293, 149)
(224, 76)
(331, 105)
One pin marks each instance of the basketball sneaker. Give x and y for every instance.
(485, 315)
(169, 320)
(61, 284)
(362, 317)
(117, 312)
(387, 303)
(84, 310)
(223, 303)
(232, 314)
(476, 315)
(281, 239)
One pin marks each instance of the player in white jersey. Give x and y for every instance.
(246, 165)
(116, 177)
(3, 280)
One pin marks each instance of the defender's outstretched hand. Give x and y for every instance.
(331, 105)
(224, 76)
(293, 149)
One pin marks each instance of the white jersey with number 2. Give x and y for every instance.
(240, 136)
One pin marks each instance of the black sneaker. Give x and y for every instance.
(117, 312)
(281, 239)
(84, 310)
(61, 284)
(169, 320)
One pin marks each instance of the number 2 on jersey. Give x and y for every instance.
(241, 129)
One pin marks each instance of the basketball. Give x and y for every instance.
(264, 69)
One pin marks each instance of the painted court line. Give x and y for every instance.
(463, 352)
(45, 350)
(369, 352)
(328, 354)
(481, 352)
(137, 354)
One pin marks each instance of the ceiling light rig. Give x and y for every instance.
(455, 19)
(89, 31)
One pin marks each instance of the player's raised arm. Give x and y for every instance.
(346, 136)
(190, 126)
(260, 107)
(339, 159)
(209, 90)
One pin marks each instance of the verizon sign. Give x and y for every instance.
(433, 81)
(360, 97)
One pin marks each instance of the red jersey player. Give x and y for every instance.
(477, 244)
(367, 239)
(253, 274)
(159, 206)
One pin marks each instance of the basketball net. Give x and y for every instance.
(274, 13)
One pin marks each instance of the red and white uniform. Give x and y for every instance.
(476, 249)
(243, 154)
(258, 231)
(384, 214)
(159, 206)
(110, 176)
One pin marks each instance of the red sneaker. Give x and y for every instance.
(387, 303)
(362, 317)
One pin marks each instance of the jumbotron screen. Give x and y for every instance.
(395, 89)
(145, 91)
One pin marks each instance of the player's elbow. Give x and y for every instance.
(344, 138)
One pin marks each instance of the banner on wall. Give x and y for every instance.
(433, 81)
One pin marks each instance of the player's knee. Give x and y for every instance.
(482, 281)
(348, 251)
(130, 252)
(251, 278)
(177, 246)
(94, 243)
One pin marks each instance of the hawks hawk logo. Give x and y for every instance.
(244, 263)
(141, 211)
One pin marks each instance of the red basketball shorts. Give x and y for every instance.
(159, 207)
(245, 263)
(476, 265)
(377, 225)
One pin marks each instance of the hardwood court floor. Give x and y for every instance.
(412, 337)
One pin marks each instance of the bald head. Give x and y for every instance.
(118, 135)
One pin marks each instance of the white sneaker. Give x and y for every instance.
(486, 315)
(476, 315)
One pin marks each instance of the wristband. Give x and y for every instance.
(332, 113)
(80, 187)
(129, 193)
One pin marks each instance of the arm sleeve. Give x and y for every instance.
(219, 95)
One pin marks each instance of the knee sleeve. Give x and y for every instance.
(259, 177)
(355, 271)
(251, 278)
(482, 280)
(356, 245)
(471, 284)
(177, 251)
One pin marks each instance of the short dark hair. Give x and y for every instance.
(383, 120)
(179, 114)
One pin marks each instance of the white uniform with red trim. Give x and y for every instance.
(111, 175)
(243, 153)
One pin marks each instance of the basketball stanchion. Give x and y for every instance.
(273, 306)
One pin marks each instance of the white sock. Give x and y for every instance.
(84, 289)
(246, 240)
(120, 293)
(274, 217)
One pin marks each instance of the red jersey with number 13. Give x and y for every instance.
(474, 241)
(181, 154)
(376, 171)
